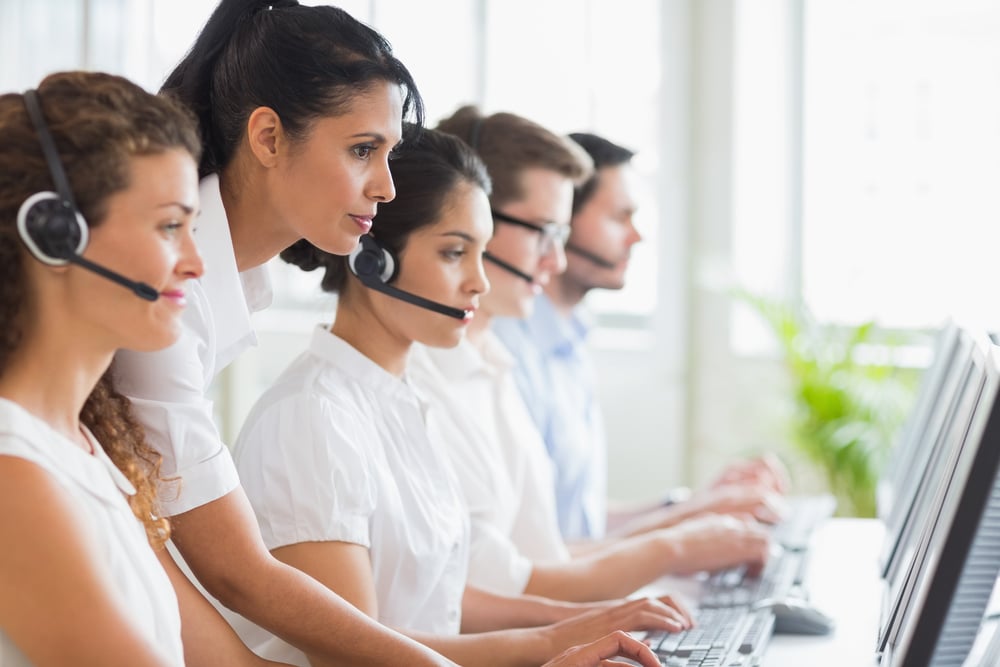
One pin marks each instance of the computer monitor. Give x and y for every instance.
(933, 479)
(946, 401)
(912, 435)
(950, 578)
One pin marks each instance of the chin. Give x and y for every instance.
(153, 340)
(337, 242)
(444, 340)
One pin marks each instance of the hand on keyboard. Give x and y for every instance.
(716, 542)
(767, 470)
(657, 614)
(614, 645)
(756, 500)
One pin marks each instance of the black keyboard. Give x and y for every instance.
(734, 637)
(734, 588)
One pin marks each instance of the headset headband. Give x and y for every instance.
(48, 145)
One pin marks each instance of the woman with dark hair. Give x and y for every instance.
(298, 108)
(79, 583)
(343, 464)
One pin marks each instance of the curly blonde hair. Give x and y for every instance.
(99, 122)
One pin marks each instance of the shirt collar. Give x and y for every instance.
(233, 295)
(340, 354)
(467, 360)
(553, 332)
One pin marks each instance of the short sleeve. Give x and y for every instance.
(167, 389)
(307, 472)
(495, 564)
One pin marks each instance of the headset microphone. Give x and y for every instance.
(50, 224)
(510, 268)
(375, 267)
(586, 254)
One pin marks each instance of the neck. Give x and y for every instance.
(258, 231)
(564, 295)
(479, 325)
(358, 324)
(51, 376)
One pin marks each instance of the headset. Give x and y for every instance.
(588, 255)
(51, 225)
(376, 267)
(508, 267)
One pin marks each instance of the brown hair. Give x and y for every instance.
(509, 144)
(98, 122)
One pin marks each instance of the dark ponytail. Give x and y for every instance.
(304, 62)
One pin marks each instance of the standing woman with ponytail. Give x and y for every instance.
(299, 109)
(94, 172)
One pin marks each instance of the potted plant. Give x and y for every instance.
(850, 399)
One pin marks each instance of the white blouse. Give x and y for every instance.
(168, 388)
(500, 458)
(338, 449)
(99, 489)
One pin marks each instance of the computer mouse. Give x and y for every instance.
(794, 616)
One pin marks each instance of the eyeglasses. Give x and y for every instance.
(550, 233)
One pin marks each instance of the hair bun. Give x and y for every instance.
(304, 255)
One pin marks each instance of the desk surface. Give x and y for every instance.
(842, 581)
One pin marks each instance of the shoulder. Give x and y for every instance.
(36, 507)
(308, 413)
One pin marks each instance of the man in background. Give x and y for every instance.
(556, 377)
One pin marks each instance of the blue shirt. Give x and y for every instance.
(555, 375)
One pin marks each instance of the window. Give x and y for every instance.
(868, 158)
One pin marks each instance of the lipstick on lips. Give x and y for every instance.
(364, 222)
(175, 295)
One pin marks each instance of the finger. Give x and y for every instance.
(772, 509)
(620, 644)
(664, 618)
(679, 607)
(778, 472)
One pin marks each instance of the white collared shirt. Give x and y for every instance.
(168, 388)
(338, 449)
(555, 374)
(98, 488)
(500, 459)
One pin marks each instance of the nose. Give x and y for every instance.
(633, 233)
(380, 186)
(479, 283)
(553, 261)
(189, 261)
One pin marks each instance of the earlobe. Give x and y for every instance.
(265, 135)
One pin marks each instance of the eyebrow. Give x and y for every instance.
(462, 235)
(369, 135)
(188, 210)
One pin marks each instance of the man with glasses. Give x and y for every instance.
(556, 377)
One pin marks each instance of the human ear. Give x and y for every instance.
(265, 135)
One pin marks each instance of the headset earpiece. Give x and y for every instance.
(370, 262)
(49, 223)
(375, 267)
(51, 228)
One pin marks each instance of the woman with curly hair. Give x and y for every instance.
(98, 180)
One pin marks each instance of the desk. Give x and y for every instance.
(843, 581)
